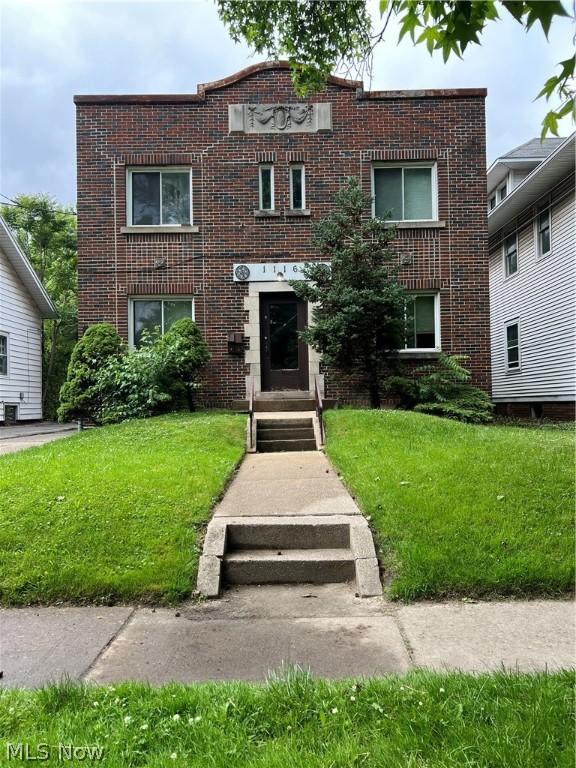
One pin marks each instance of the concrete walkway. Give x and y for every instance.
(21, 436)
(252, 631)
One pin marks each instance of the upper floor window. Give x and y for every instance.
(492, 203)
(512, 346)
(159, 197)
(502, 192)
(266, 177)
(405, 192)
(3, 355)
(422, 322)
(297, 188)
(543, 233)
(154, 316)
(511, 255)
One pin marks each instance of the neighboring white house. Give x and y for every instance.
(531, 227)
(23, 305)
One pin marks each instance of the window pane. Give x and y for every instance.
(513, 357)
(284, 336)
(147, 317)
(266, 189)
(511, 255)
(410, 324)
(297, 201)
(145, 198)
(176, 198)
(388, 193)
(417, 193)
(425, 322)
(3, 355)
(544, 232)
(176, 310)
(512, 335)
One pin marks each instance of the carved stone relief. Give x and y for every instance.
(279, 118)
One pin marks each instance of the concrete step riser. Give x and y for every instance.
(275, 446)
(283, 423)
(302, 433)
(284, 537)
(262, 406)
(288, 572)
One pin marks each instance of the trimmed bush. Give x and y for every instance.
(80, 393)
(183, 352)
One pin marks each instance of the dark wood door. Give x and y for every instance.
(284, 357)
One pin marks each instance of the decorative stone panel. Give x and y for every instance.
(279, 118)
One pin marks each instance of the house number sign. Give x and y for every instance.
(269, 271)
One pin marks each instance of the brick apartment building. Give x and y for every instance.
(204, 204)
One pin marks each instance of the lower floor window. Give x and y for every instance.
(153, 317)
(512, 346)
(422, 331)
(3, 355)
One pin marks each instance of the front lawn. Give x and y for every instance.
(421, 719)
(112, 514)
(461, 509)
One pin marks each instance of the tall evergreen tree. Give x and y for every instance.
(358, 312)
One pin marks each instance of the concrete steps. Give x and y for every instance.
(274, 435)
(289, 566)
(265, 405)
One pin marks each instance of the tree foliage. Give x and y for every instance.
(319, 37)
(358, 314)
(46, 232)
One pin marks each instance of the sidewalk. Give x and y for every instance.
(252, 631)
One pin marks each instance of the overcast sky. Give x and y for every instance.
(52, 49)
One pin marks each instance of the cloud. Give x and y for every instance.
(51, 50)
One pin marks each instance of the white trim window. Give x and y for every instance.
(422, 317)
(3, 354)
(297, 188)
(406, 192)
(510, 253)
(503, 191)
(492, 203)
(513, 346)
(159, 197)
(544, 233)
(152, 316)
(266, 187)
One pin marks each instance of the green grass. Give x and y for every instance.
(113, 514)
(461, 509)
(422, 720)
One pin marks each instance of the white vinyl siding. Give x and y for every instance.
(21, 324)
(542, 298)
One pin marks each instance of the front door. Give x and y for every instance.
(284, 357)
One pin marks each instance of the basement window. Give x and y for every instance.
(160, 197)
(152, 317)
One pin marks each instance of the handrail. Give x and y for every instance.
(251, 411)
(319, 408)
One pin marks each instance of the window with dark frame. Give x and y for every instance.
(404, 193)
(544, 241)
(512, 346)
(266, 177)
(160, 198)
(153, 317)
(421, 330)
(3, 355)
(511, 255)
(297, 191)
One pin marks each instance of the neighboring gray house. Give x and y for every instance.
(531, 226)
(23, 305)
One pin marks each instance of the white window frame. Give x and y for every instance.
(539, 253)
(162, 298)
(512, 368)
(270, 167)
(434, 179)
(505, 188)
(295, 167)
(7, 337)
(156, 169)
(505, 260)
(491, 199)
(437, 336)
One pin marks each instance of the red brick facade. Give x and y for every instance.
(114, 133)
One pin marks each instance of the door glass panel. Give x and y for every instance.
(283, 336)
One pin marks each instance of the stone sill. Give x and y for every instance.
(417, 355)
(267, 214)
(417, 224)
(154, 230)
(295, 212)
